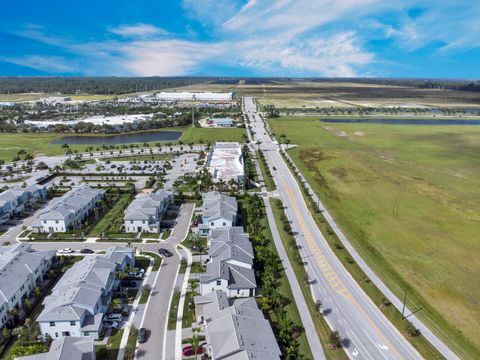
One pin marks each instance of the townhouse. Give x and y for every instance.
(21, 270)
(218, 211)
(81, 298)
(69, 211)
(235, 328)
(14, 201)
(230, 264)
(67, 348)
(145, 213)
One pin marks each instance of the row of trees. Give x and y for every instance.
(269, 271)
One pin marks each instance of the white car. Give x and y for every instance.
(65, 251)
(114, 317)
(110, 324)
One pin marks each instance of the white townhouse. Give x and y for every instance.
(218, 211)
(145, 212)
(230, 264)
(21, 270)
(235, 328)
(69, 211)
(80, 299)
(13, 201)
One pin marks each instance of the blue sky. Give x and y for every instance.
(333, 38)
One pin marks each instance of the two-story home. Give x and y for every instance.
(230, 262)
(21, 270)
(69, 211)
(235, 328)
(145, 213)
(13, 201)
(80, 299)
(218, 211)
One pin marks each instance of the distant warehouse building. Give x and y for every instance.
(220, 122)
(225, 162)
(195, 96)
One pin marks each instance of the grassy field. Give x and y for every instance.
(39, 143)
(407, 198)
(115, 212)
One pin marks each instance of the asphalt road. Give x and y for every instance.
(366, 332)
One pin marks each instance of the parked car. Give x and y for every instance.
(142, 335)
(65, 251)
(128, 283)
(165, 252)
(114, 317)
(86, 251)
(188, 350)
(110, 324)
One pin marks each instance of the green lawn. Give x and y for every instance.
(112, 345)
(157, 260)
(407, 198)
(266, 174)
(204, 135)
(39, 143)
(172, 314)
(188, 311)
(139, 157)
(115, 213)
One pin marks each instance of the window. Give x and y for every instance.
(65, 333)
(72, 323)
(224, 224)
(52, 323)
(86, 333)
(56, 221)
(219, 282)
(131, 221)
(56, 334)
(212, 223)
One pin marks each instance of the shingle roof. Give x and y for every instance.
(217, 205)
(146, 206)
(67, 348)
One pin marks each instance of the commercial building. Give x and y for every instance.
(230, 262)
(67, 348)
(21, 270)
(144, 214)
(81, 298)
(69, 211)
(235, 329)
(13, 201)
(218, 211)
(225, 162)
(195, 96)
(220, 122)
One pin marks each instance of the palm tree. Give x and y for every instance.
(195, 340)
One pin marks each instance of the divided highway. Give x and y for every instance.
(366, 332)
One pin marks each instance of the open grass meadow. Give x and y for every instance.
(407, 197)
(38, 144)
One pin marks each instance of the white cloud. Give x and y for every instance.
(211, 11)
(137, 30)
(49, 64)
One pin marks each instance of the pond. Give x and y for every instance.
(150, 136)
(403, 121)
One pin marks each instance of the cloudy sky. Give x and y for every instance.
(384, 38)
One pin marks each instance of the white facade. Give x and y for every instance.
(145, 213)
(195, 96)
(225, 162)
(20, 271)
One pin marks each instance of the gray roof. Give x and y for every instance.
(146, 206)
(217, 205)
(67, 348)
(17, 263)
(81, 287)
(238, 277)
(238, 331)
(231, 244)
(118, 254)
(70, 203)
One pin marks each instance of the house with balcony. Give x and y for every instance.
(218, 211)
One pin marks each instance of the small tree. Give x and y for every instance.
(335, 340)
(146, 290)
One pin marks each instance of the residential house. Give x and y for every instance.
(145, 213)
(230, 264)
(81, 298)
(67, 348)
(69, 211)
(13, 201)
(218, 211)
(236, 328)
(21, 270)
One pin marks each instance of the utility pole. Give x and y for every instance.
(403, 308)
(193, 117)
